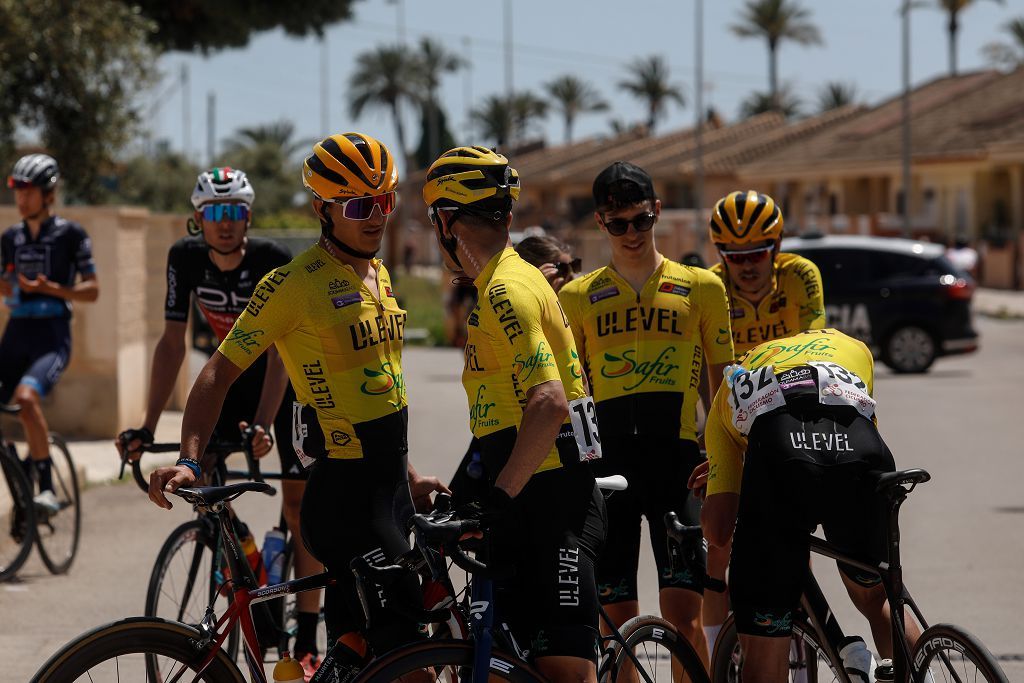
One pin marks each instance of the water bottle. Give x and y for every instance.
(857, 660)
(475, 468)
(252, 554)
(287, 670)
(273, 556)
(885, 672)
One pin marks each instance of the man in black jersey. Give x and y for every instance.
(220, 266)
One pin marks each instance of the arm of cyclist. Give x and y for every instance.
(201, 413)
(724, 470)
(168, 356)
(86, 290)
(545, 412)
(275, 381)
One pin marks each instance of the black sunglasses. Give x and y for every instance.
(642, 222)
(564, 268)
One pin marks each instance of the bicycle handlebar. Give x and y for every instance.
(221, 448)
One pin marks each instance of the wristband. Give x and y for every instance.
(192, 465)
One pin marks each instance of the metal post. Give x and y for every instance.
(698, 24)
(509, 86)
(211, 127)
(324, 89)
(467, 82)
(906, 119)
(186, 122)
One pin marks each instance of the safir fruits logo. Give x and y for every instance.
(383, 381)
(658, 371)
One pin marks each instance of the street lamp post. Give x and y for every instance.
(906, 118)
(698, 24)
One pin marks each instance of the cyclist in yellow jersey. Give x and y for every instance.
(332, 314)
(529, 408)
(771, 294)
(645, 326)
(793, 428)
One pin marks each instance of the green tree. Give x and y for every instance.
(268, 155)
(574, 96)
(160, 181)
(385, 78)
(433, 61)
(649, 82)
(507, 120)
(209, 26)
(776, 21)
(71, 71)
(1008, 55)
(836, 94)
(783, 102)
(953, 8)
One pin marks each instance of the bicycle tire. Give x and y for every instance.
(135, 636)
(56, 551)
(450, 660)
(726, 660)
(942, 646)
(18, 524)
(645, 632)
(196, 532)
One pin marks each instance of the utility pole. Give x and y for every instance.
(509, 86)
(211, 125)
(467, 82)
(698, 204)
(186, 121)
(906, 119)
(324, 88)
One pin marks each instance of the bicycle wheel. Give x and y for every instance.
(57, 534)
(662, 653)
(286, 611)
(450, 661)
(949, 653)
(808, 663)
(123, 650)
(186, 579)
(17, 514)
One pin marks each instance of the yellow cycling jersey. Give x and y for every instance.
(644, 351)
(341, 346)
(842, 374)
(795, 304)
(518, 337)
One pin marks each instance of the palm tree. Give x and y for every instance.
(953, 9)
(775, 21)
(783, 102)
(432, 62)
(507, 119)
(649, 83)
(267, 153)
(574, 96)
(835, 94)
(1009, 55)
(385, 77)
(277, 135)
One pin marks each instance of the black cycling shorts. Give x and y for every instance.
(551, 539)
(361, 507)
(804, 466)
(34, 352)
(240, 406)
(657, 469)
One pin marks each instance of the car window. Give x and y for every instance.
(890, 265)
(842, 270)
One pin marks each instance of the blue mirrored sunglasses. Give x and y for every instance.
(222, 212)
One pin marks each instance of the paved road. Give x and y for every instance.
(963, 532)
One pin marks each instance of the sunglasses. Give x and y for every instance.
(747, 256)
(642, 222)
(18, 184)
(229, 212)
(563, 269)
(360, 208)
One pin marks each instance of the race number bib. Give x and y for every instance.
(299, 433)
(751, 394)
(838, 386)
(583, 416)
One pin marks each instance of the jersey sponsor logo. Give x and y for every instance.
(647, 319)
(782, 350)
(388, 292)
(568, 577)
(756, 334)
(337, 285)
(801, 376)
(266, 288)
(812, 284)
(172, 286)
(340, 438)
(319, 387)
(606, 293)
(474, 318)
(497, 296)
(773, 624)
(723, 336)
(314, 266)
(383, 381)
(478, 412)
(217, 299)
(381, 328)
(658, 371)
(574, 366)
(828, 442)
(778, 303)
(246, 340)
(672, 288)
(540, 358)
(737, 313)
(472, 359)
(347, 299)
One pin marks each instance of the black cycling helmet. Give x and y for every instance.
(34, 170)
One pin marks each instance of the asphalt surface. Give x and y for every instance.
(963, 536)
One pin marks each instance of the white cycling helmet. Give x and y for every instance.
(220, 183)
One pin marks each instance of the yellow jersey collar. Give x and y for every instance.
(653, 277)
(487, 273)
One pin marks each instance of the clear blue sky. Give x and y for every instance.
(276, 77)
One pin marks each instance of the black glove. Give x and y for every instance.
(142, 434)
(495, 511)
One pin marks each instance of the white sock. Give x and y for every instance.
(711, 633)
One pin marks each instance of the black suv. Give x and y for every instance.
(902, 298)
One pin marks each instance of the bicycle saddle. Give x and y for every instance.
(211, 495)
(890, 480)
(10, 408)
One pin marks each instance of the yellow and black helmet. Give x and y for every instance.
(475, 179)
(349, 165)
(744, 218)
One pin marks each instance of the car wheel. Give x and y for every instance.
(910, 349)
